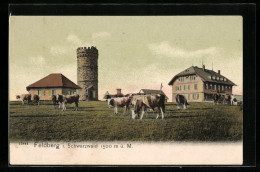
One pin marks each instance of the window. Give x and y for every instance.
(223, 88)
(215, 87)
(178, 87)
(195, 86)
(207, 86)
(69, 92)
(54, 92)
(41, 92)
(188, 87)
(195, 96)
(211, 87)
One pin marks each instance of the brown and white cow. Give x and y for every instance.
(180, 99)
(226, 99)
(216, 98)
(24, 97)
(63, 100)
(120, 102)
(142, 102)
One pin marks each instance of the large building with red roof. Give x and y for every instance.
(199, 84)
(53, 84)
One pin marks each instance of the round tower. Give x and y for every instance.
(87, 72)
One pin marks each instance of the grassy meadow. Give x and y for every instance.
(94, 121)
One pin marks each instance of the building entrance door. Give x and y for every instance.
(90, 95)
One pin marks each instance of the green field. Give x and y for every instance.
(96, 122)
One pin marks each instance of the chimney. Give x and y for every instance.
(118, 91)
(203, 67)
(219, 72)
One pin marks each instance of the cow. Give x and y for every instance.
(120, 102)
(180, 99)
(142, 102)
(36, 99)
(216, 98)
(63, 100)
(234, 100)
(24, 97)
(55, 101)
(226, 99)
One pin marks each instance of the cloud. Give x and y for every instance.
(57, 50)
(74, 39)
(100, 35)
(38, 60)
(164, 48)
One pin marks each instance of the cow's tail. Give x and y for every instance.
(162, 99)
(177, 97)
(186, 102)
(163, 108)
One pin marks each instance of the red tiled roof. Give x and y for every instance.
(54, 80)
(204, 74)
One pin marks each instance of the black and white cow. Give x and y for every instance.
(36, 99)
(181, 100)
(63, 100)
(24, 97)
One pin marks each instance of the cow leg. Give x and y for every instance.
(157, 116)
(142, 114)
(184, 106)
(162, 113)
(75, 108)
(124, 110)
(63, 106)
(178, 107)
(22, 102)
(133, 114)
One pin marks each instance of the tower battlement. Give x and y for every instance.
(87, 49)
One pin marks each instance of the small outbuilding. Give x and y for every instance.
(53, 84)
(149, 91)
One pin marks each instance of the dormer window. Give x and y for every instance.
(225, 79)
(213, 77)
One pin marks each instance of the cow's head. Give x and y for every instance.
(18, 97)
(60, 98)
(111, 102)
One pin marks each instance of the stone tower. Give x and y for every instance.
(87, 72)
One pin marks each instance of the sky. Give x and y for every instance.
(135, 52)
